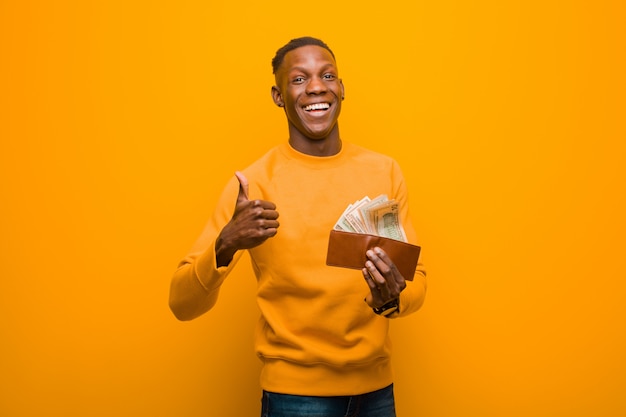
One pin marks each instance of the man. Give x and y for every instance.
(323, 334)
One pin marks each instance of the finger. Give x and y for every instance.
(243, 187)
(373, 297)
(268, 227)
(268, 208)
(383, 288)
(376, 266)
(393, 269)
(390, 282)
(369, 280)
(379, 294)
(382, 255)
(385, 265)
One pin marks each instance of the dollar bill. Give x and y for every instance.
(354, 217)
(387, 221)
(344, 223)
(366, 212)
(379, 216)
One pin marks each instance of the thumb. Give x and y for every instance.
(243, 187)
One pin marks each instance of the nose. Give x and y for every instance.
(315, 86)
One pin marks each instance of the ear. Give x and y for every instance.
(277, 97)
(343, 90)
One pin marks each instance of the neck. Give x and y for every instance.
(326, 146)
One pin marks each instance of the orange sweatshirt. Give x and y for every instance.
(316, 335)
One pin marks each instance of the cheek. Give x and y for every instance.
(291, 103)
(293, 95)
(292, 115)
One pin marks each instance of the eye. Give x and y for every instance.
(298, 80)
(329, 76)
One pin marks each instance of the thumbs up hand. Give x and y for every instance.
(253, 222)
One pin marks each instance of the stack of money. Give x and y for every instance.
(379, 216)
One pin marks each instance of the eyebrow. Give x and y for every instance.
(302, 69)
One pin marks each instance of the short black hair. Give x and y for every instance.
(293, 44)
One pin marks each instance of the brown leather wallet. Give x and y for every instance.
(347, 250)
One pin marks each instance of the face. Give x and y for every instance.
(310, 90)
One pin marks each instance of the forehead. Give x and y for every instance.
(307, 57)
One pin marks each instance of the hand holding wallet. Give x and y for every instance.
(366, 224)
(347, 250)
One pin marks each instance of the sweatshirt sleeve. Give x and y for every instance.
(412, 298)
(197, 280)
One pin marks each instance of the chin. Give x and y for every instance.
(319, 134)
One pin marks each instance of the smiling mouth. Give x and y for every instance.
(317, 106)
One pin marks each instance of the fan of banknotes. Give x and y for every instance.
(379, 216)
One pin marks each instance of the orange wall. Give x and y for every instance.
(120, 121)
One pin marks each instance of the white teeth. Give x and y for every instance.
(317, 106)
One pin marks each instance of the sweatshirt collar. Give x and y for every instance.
(320, 162)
